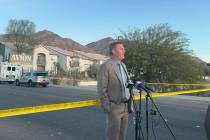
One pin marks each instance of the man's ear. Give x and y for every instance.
(113, 51)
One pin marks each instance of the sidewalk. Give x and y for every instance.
(92, 87)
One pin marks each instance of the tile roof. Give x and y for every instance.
(61, 51)
(75, 53)
(8, 44)
(92, 56)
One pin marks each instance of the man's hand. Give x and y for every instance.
(105, 105)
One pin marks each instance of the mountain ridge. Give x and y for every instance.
(50, 38)
(101, 46)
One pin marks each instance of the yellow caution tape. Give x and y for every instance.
(178, 84)
(46, 108)
(166, 84)
(155, 95)
(70, 105)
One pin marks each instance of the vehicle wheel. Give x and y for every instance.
(30, 83)
(44, 85)
(17, 83)
(10, 82)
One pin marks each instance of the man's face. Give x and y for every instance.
(119, 52)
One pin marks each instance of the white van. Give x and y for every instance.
(9, 72)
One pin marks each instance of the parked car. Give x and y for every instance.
(33, 78)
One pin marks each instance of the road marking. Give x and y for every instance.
(85, 103)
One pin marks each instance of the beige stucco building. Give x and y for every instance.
(45, 58)
(49, 58)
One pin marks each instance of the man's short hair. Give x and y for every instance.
(113, 45)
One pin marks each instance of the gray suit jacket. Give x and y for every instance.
(207, 122)
(109, 85)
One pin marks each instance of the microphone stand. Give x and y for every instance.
(137, 112)
(148, 97)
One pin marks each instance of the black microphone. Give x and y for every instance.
(130, 86)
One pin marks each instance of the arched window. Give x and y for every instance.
(41, 62)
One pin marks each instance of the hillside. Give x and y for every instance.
(101, 46)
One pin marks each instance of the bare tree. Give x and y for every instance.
(19, 32)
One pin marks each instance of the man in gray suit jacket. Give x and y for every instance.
(112, 79)
(207, 122)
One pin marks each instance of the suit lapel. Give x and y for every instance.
(125, 69)
(116, 72)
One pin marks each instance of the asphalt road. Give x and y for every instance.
(184, 115)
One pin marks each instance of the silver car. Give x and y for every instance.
(33, 78)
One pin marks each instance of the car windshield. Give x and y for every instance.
(40, 74)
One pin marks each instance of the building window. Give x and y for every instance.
(8, 68)
(74, 63)
(13, 68)
(41, 59)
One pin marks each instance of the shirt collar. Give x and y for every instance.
(116, 60)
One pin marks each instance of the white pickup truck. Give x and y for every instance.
(9, 72)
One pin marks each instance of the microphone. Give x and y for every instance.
(142, 85)
(130, 86)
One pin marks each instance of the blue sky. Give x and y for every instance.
(89, 20)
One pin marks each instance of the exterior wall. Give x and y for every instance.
(84, 64)
(24, 59)
(27, 67)
(65, 63)
(1, 58)
(4, 52)
(50, 59)
(99, 62)
(62, 60)
(53, 64)
(68, 62)
(8, 51)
